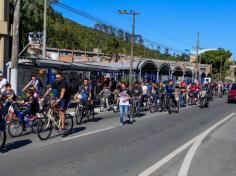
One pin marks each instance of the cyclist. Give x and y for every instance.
(161, 88)
(105, 93)
(206, 87)
(182, 95)
(31, 106)
(136, 93)
(220, 89)
(62, 98)
(170, 91)
(9, 96)
(124, 98)
(144, 93)
(195, 89)
(85, 92)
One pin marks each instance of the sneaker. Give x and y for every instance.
(63, 132)
(121, 124)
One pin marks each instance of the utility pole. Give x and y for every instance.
(132, 42)
(15, 46)
(198, 58)
(221, 69)
(44, 29)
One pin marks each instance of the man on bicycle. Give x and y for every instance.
(170, 91)
(85, 92)
(62, 98)
(183, 91)
(136, 93)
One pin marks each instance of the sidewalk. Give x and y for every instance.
(216, 156)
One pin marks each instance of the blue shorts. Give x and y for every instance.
(64, 104)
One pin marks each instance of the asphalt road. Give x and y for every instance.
(103, 148)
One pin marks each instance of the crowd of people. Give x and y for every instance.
(123, 95)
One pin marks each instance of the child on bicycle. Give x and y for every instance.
(104, 94)
(30, 106)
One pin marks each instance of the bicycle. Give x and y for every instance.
(50, 119)
(192, 100)
(115, 105)
(203, 99)
(84, 110)
(133, 107)
(2, 132)
(153, 104)
(16, 125)
(171, 106)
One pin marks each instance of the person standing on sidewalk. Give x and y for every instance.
(3, 83)
(124, 104)
(35, 82)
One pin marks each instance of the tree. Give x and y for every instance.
(215, 57)
(166, 52)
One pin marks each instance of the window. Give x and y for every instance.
(233, 87)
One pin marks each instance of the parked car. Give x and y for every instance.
(232, 94)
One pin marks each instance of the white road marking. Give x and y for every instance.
(188, 158)
(167, 158)
(86, 134)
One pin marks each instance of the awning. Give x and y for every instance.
(55, 64)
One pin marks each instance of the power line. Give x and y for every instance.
(86, 15)
(165, 35)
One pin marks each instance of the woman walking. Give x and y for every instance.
(124, 103)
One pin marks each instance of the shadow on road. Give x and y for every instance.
(96, 119)
(15, 145)
(78, 129)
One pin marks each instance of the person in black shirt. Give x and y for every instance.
(63, 97)
(136, 92)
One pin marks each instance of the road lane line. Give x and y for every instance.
(167, 158)
(86, 134)
(189, 157)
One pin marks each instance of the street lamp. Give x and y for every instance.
(122, 12)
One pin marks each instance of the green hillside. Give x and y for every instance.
(65, 33)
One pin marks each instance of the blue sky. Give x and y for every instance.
(174, 23)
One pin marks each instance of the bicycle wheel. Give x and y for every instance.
(69, 122)
(102, 106)
(79, 116)
(15, 128)
(177, 109)
(115, 106)
(2, 138)
(44, 128)
(34, 124)
(91, 112)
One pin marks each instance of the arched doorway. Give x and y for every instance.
(177, 73)
(148, 71)
(188, 76)
(164, 72)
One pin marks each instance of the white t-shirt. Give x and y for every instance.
(123, 97)
(2, 84)
(145, 89)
